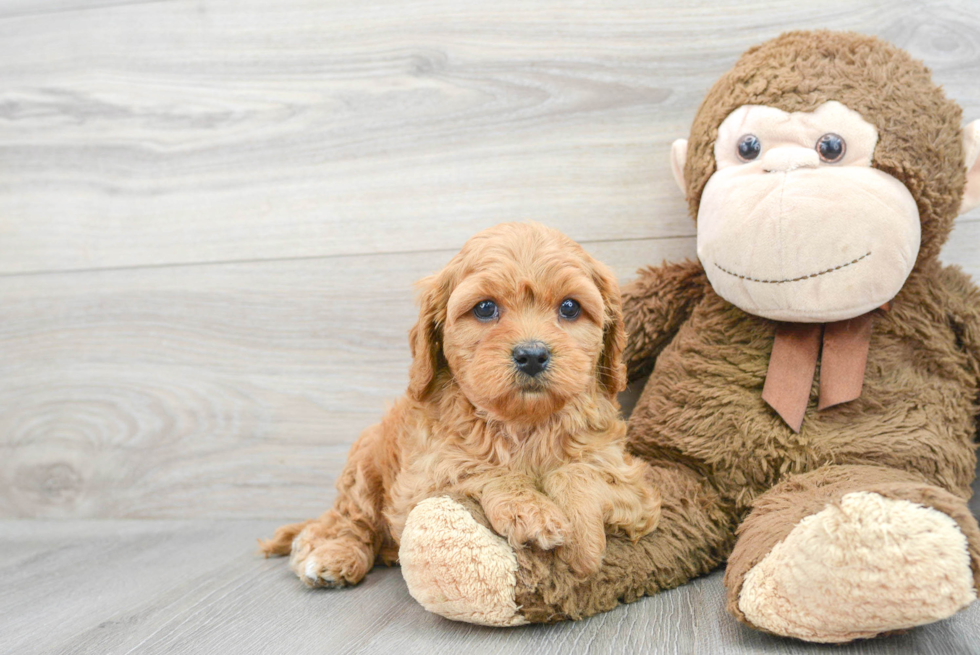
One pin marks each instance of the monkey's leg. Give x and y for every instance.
(457, 567)
(848, 552)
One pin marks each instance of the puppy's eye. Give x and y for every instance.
(485, 310)
(569, 309)
(831, 148)
(749, 147)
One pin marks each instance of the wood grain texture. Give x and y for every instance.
(150, 133)
(107, 587)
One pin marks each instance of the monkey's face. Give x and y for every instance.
(796, 225)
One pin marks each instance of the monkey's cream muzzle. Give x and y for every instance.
(811, 245)
(790, 237)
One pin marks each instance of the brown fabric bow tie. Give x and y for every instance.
(794, 361)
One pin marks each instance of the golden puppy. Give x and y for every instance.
(511, 401)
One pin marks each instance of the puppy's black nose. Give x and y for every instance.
(531, 358)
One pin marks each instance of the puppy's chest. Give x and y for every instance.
(446, 460)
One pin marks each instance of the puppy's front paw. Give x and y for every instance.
(525, 521)
(583, 552)
(636, 515)
(336, 562)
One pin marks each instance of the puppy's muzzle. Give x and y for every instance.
(531, 357)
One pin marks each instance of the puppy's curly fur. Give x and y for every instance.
(544, 454)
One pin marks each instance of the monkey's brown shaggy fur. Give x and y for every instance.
(717, 450)
(545, 455)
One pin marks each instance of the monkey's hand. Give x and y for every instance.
(655, 305)
(963, 307)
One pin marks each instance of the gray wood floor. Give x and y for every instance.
(199, 586)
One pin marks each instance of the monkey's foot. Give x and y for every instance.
(456, 567)
(858, 569)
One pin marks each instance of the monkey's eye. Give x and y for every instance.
(485, 310)
(749, 147)
(831, 148)
(569, 309)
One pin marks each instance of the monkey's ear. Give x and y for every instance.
(678, 158)
(971, 147)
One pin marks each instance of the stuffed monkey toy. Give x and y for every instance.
(813, 402)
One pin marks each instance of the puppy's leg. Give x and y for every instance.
(340, 547)
(632, 503)
(518, 511)
(574, 491)
(594, 496)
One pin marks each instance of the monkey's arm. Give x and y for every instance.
(964, 315)
(654, 307)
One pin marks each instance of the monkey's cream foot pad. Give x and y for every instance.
(456, 567)
(867, 566)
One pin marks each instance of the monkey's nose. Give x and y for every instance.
(531, 357)
(789, 158)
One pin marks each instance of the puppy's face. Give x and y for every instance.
(529, 322)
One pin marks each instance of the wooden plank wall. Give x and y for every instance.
(212, 211)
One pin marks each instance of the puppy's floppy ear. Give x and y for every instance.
(611, 370)
(425, 337)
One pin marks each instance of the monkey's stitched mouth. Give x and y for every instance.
(795, 279)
